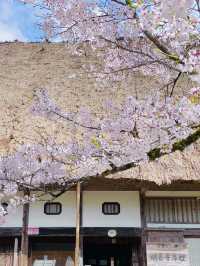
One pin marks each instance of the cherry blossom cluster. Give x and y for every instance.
(141, 35)
(123, 138)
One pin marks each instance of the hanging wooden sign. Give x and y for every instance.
(167, 254)
(166, 237)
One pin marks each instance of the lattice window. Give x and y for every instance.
(172, 210)
(111, 208)
(52, 208)
(4, 205)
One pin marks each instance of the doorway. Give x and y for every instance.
(58, 249)
(110, 253)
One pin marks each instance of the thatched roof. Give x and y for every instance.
(25, 67)
(177, 166)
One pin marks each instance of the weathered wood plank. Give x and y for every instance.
(24, 241)
(143, 232)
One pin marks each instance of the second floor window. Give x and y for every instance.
(111, 208)
(52, 208)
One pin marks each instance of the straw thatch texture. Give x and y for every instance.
(174, 167)
(25, 67)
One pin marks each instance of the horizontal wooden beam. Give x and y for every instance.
(187, 232)
(94, 231)
(103, 231)
(71, 231)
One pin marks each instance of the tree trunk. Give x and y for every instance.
(24, 241)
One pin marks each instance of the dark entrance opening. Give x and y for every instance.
(111, 252)
(51, 248)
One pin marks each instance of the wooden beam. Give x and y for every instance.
(24, 241)
(78, 224)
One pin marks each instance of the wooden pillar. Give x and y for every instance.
(15, 255)
(78, 247)
(112, 261)
(81, 250)
(24, 237)
(143, 257)
(81, 223)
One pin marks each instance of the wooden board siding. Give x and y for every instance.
(176, 210)
(165, 237)
(6, 259)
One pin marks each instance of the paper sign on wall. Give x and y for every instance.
(167, 254)
(33, 231)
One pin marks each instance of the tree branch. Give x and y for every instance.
(162, 47)
(153, 155)
(174, 83)
(119, 2)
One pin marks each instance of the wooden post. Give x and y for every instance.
(78, 224)
(112, 261)
(81, 250)
(24, 240)
(15, 255)
(143, 258)
(81, 224)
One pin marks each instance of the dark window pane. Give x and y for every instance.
(52, 208)
(111, 208)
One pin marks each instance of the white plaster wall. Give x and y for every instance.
(67, 218)
(13, 219)
(193, 245)
(129, 209)
(92, 211)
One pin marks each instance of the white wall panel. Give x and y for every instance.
(13, 219)
(67, 218)
(194, 250)
(129, 204)
(92, 211)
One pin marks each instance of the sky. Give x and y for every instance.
(19, 22)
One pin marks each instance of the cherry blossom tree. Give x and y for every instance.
(158, 38)
(126, 138)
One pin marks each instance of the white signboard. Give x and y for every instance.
(167, 254)
(44, 263)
